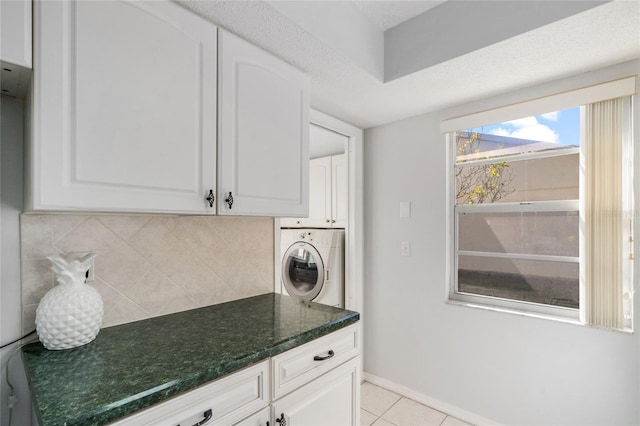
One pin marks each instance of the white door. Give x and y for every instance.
(339, 191)
(263, 132)
(124, 107)
(330, 400)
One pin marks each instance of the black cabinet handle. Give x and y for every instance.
(229, 200)
(330, 354)
(282, 421)
(210, 198)
(207, 416)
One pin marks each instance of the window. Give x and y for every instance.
(519, 220)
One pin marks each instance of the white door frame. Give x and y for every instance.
(354, 245)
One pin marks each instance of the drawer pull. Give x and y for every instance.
(282, 421)
(330, 354)
(207, 416)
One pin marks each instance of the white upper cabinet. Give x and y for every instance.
(124, 108)
(339, 191)
(15, 47)
(328, 195)
(319, 193)
(263, 132)
(15, 32)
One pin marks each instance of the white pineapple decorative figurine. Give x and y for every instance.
(70, 314)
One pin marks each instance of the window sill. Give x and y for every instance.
(529, 314)
(512, 311)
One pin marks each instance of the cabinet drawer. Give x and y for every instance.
(228, 400)
(298, 366)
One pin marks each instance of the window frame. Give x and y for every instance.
(622, 86)
(572, 315)
(511, 305)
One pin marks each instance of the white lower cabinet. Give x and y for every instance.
(331, 399)
(226, 401)
(317, 383)
(301, 365)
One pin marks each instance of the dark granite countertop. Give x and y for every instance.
(132, 366)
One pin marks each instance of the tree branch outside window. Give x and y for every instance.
(480, 184)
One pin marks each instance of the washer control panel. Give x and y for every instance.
(306, 236)
(318, 237)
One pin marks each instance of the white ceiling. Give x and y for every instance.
(388, 14)
(599, 37)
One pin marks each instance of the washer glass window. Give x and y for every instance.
(303, 271)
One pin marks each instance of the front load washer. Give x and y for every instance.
(313, 265)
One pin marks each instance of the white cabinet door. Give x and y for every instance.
(332, 399)
(15, 32)
(319, 194)
(339, 191)
(263, 132)
(328, 194)
(124, 108)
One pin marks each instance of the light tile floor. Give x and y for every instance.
(381, 407)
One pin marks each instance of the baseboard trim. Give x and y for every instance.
(434, 403)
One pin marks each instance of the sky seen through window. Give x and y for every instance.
(561, 127)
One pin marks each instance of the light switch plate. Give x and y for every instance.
(405, 209)
(405, 248)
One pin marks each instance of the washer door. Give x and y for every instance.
(302, 271)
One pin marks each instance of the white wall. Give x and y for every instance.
(507, 368)
(11, 138)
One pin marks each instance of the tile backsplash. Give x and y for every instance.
(150, 265)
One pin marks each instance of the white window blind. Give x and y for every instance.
(604, 213)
